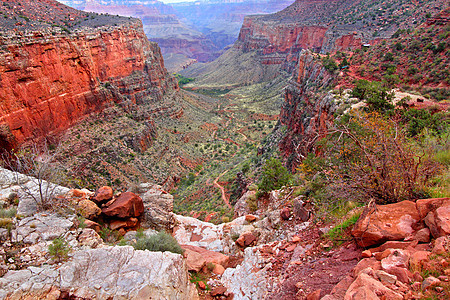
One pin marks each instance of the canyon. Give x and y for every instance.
(272, 42)
(185, 33)
(141, 153)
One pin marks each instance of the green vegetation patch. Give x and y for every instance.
(160, 242)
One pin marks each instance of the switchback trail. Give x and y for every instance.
(224, 195)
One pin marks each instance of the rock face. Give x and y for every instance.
(271, 43)
(306, 112)
(249, 280)
(51, 78)
(436, 214)
(158, 208)
(104, 273)
(230, 238)
(405, 220)
(220, 21)
(390, 222)
(197, 257)
(162, 26)
(104, 193)
(241, 207)
(41, 227)
(187, 32)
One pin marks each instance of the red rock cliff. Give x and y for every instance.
(308, 110)
(48, 82)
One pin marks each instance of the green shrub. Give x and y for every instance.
(59, 249)
(252, 202)
(377, 96)
(159, 242)
(419, 119)
(8, 213)
(183, 80)
(274, 176)
(109, 236)
(329, 64)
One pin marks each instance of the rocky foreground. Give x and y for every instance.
(400, 251)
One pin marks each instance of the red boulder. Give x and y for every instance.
(285, 213)
(126, 205)
(246, 239)
(392, 222)
(103, 194)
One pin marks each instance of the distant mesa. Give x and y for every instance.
(185, 33)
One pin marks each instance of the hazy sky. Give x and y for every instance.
(174, 1)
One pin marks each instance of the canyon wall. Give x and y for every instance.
(326, 26)
(51, 78)
(308, 110)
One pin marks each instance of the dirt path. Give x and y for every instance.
(224, 195)
(246, 137)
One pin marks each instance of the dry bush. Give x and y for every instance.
(44, 171)
(371, 154)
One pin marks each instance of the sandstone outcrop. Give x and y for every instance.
(241, 207)
(425, 206)
(321, 26)
(249, 280)
(230, 238)
(396, 269)
(88, 209)
(105, 193)
(405, 220)
(436, 214)
(51, 78)
(162, 26)
(191, 231)
(92, 270)
(158, 207)
(197, 258)
(246, 239)
(42, 227)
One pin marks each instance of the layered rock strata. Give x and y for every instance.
(51, 78)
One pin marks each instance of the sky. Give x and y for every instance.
(175, 1)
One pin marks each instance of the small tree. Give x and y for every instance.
(59, 249)
(274, 176)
